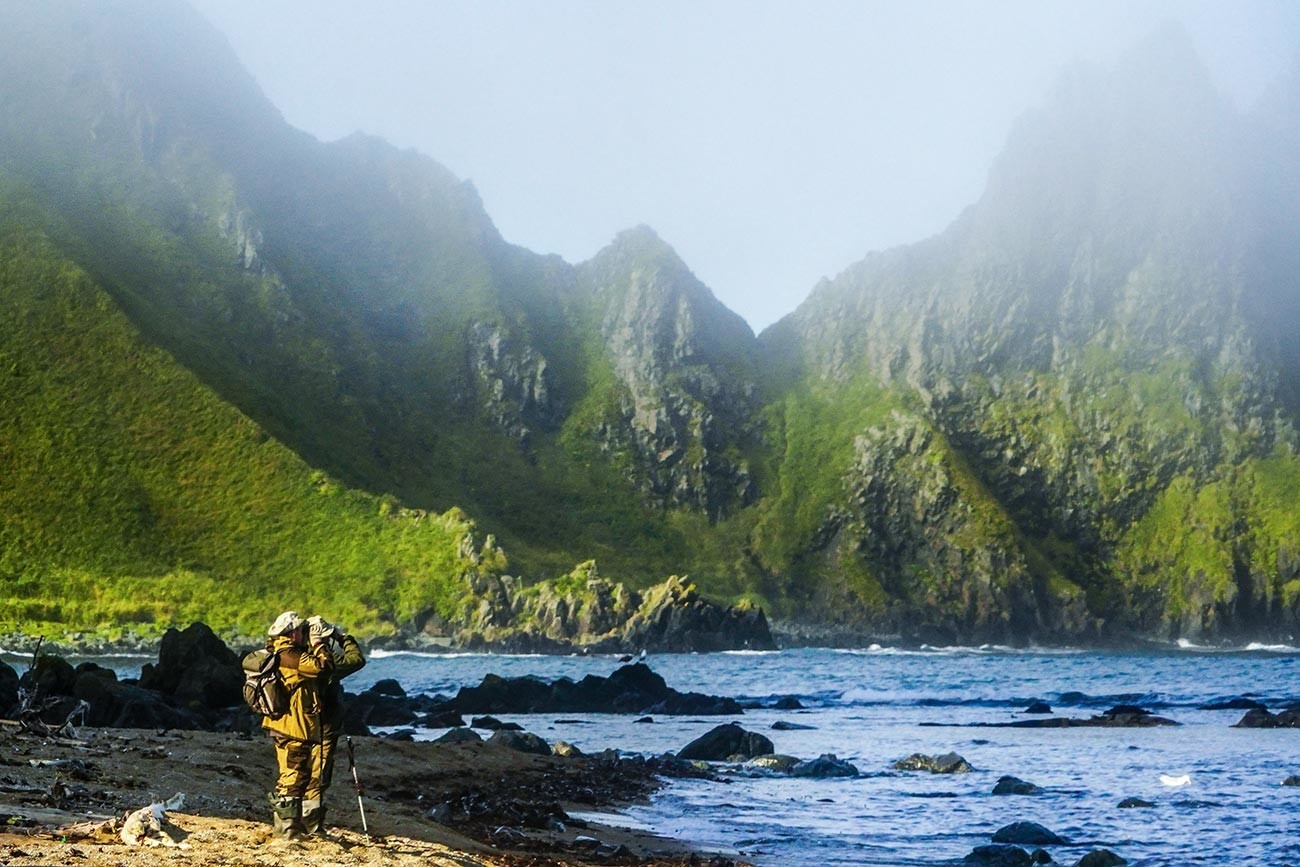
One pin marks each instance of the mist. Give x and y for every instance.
(771, 144)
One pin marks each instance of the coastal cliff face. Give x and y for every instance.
(1069, 416)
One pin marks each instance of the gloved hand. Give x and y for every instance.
(322, 630)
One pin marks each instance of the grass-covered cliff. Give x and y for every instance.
(239, 364)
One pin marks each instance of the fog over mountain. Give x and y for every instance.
(769, 143)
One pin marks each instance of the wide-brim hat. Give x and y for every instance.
(285, 623)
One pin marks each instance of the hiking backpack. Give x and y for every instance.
(264, 689)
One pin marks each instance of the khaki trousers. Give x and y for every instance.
(298, 762)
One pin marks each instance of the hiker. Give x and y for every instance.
(305, 664)
(347, 660)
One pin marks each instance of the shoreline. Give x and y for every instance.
(497, 806)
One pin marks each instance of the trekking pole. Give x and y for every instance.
(352, 764)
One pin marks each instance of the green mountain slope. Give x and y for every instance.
(1070, 415)
(134, 496)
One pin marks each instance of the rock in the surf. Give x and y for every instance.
(1292, 780)
(948, 763)
(458, 736)
(1101, 858)
(1030, 833)
(523, 742)
(1038, 707)
(783, 726)
(1009, 785)
(997, 855)
(824, 766)
(777, 762)
(725, 741)
(1135, 803)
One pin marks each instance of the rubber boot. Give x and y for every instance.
(286, 815)
(313, 816)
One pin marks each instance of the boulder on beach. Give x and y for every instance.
(8, 688)
(997, 855)
(1009, 785)
(444, 719)
(725, 741)
(196, 668)
(523, 742)
(49, 676)
(389, 687)
(948, 763)
(824, 766)
(458, 736)
(1101, 858)
(1029, 833)
(491, 723)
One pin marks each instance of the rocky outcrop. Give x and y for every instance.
(513, 382)
(583, 610)
(1008, 785)
(1028, 833)
(632, 689)
(948, 763)
(196, 668)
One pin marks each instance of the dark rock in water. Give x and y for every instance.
(1126, 710)
(825, 766)
(1041, 856)
(523, 742)
(775, 762)
(491, 723)
(1259, 718)
(445, 719)
(1015, 786)
(1030, 833)
(1074, 697)
(783, 726)
(645, 719)
(566, 750)
(1119, 716)
(948, 763)
(377, 709)
(1131, 803)
(789, 702)
(389, 687)
(1038, 707)
(1292, 780)
(401, 735)
(725, 741)
(458, 736)
(1101, 858)
(8, 689)
(998, 856)
(1238, 703)
(630, 689)
(196, 668)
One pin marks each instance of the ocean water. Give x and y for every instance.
(874, 706)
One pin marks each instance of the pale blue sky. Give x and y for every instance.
(770, 143)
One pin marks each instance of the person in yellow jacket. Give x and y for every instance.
(348, 659)
(305, 662)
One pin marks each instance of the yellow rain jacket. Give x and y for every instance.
(302, 670)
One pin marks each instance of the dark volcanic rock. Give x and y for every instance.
(492, 724)
(458, 736)
(1238, 703)
(725, 741)
(523, 742)
(50, 676)
(196, 668)
(826, 765)
(1041, 856)
(783, 726)
(1030, 833)
(1101, 858)
(8, 689)
(1259, 718)
(441, 719)
(1038, 707)
(948, 763)
(1135, 803)
(389, 687)
(789, 702)
(630, 689)
(998, 856)
(1292, 780)
(1015, 786)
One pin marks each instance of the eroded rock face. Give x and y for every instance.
(513, 379)
(196, 668)
(585, 610)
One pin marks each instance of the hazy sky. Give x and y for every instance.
(769, 143)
